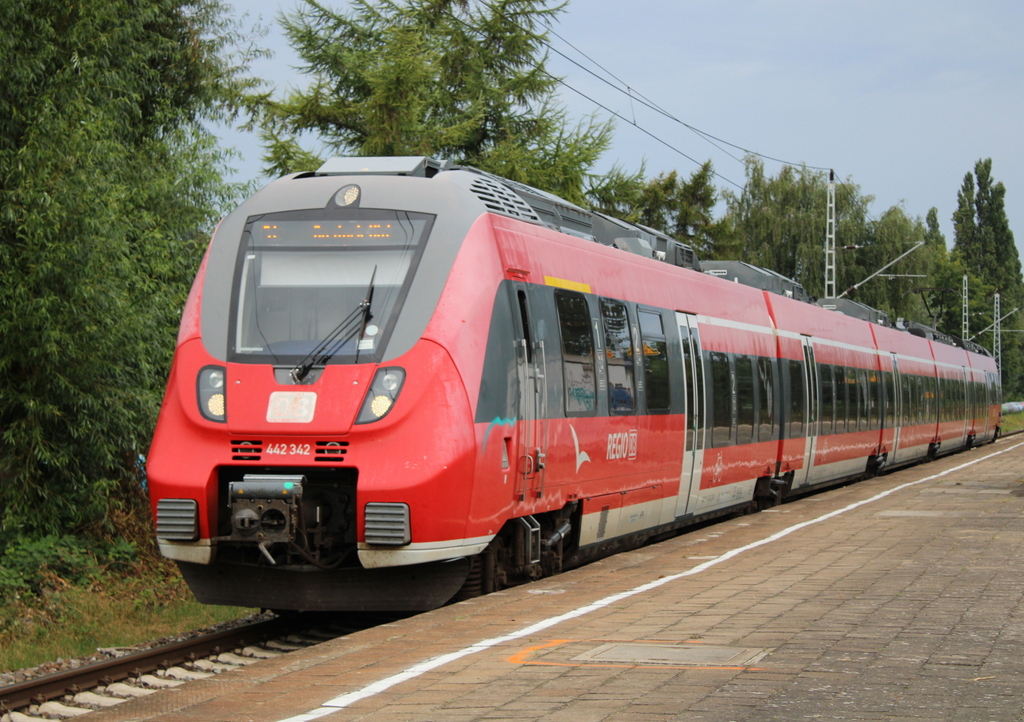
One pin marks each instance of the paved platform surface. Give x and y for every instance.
(905, 604)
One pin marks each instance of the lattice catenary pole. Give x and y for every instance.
(997, 333)
(830, 238)
(965, 334)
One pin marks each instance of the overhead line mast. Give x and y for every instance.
(830, 238)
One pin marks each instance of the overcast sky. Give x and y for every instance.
(901, 97)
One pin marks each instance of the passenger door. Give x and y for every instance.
(693, 449)
(531, 416)
(808, 378)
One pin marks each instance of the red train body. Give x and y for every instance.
(399, 382)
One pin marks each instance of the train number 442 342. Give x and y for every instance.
(289, 449)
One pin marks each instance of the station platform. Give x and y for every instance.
(895, 598)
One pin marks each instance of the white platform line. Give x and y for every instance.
(418, 669)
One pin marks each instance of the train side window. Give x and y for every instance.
(744, 400)
(577, 354)
(842, 399)
(862, 400)
(618, 342)
(920, 396)
(873, 391)
(828, 396)
(852, 400)
(796, 399)
(766, 397)
(907, 385)
(655, 350)
(721, 399)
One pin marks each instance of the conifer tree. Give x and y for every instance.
(451, 78)
(985, 248)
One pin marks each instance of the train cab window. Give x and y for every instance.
(655, 350)
(302, 277)
(766, 400)
(577, 354)
(721, 399)
(618, 342)
(797, 394)
(745, 407)
(828, 398)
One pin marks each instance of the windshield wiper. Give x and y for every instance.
(350, 326)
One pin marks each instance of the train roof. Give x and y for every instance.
(518, 200)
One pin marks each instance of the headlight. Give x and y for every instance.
(210, 393)
(387, 382)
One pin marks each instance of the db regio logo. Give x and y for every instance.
(622, 445)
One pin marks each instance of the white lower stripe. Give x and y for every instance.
(416, 670)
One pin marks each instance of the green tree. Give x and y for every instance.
(109, 183)
(984, 246)
(780, 223)
(449, 78)
(684, 209)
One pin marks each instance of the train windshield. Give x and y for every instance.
(300, 275)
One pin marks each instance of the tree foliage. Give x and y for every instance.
(781, 223)
(450, 78)
(684, 209)
(108, 184)
(984, 248)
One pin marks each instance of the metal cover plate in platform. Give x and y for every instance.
(695, 654)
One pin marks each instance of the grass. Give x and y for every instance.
(65, 597)
(114, 611)
(1012, 423)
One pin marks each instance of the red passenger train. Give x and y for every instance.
(399, 382)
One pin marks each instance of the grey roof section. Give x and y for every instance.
(857, 310)
(750, 275)
(416, 166)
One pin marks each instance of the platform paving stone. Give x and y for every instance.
(907, 608)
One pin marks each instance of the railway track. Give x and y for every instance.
(72, 693)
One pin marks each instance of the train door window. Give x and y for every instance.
(828, 396)
(577, 354)
(691, 389)
(655, 350)
(619, 351)
(693, 370)
(889, 408)
(745, 407)
(721, 399)
(766, 399)
(796, 399)
(524, 317)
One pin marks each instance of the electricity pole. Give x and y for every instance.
(830, 238)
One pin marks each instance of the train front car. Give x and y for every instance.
(315, 449)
